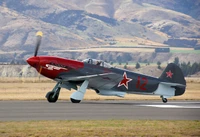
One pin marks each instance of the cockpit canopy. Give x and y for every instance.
(97, 62)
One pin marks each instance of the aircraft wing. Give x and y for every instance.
(87, 77)
(103, 81)
(91, 76)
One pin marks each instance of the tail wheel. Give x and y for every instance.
(51, 98)
(164, 100)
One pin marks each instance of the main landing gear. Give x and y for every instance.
(53, 95)
(77, 96)
(164, 99)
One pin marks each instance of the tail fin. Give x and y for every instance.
(173, 74)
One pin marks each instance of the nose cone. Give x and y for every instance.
(33, 61)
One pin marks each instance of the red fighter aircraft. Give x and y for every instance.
(103, 78)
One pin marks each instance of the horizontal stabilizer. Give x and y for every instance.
(173, 84)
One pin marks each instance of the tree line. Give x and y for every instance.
(188, 68)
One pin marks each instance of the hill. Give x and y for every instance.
(73, 23)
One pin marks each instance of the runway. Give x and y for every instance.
(99, 110)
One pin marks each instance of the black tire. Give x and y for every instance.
(50, 98)
(75, 101)
(164, 100)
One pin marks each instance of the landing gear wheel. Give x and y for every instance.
(164, 100)
(51, 98)
(75, 101)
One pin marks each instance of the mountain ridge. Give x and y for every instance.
(74, 23)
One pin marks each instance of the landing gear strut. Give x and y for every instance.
(77, 96)
(164, 99)
(53, 95)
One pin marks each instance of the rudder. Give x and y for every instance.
(173, 74)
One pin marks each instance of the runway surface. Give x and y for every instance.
(99, 110)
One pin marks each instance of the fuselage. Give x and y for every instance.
(115, 79)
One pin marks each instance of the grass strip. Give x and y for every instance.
(100, 128)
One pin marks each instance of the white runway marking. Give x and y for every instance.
(171, 106)
(184, 102)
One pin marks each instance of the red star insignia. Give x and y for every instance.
(169, 74)
(124, 81)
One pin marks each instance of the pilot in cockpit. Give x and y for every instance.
(98, 63)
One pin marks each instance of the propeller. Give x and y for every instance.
(39, 39)
(39, 73)
(35, 61)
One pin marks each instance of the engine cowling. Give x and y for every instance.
(110, 93)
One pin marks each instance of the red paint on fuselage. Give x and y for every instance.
(33, 61)
(51, 67)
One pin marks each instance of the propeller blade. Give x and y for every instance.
(39, 38)
(39, 72)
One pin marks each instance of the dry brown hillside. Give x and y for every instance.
(74, 24)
